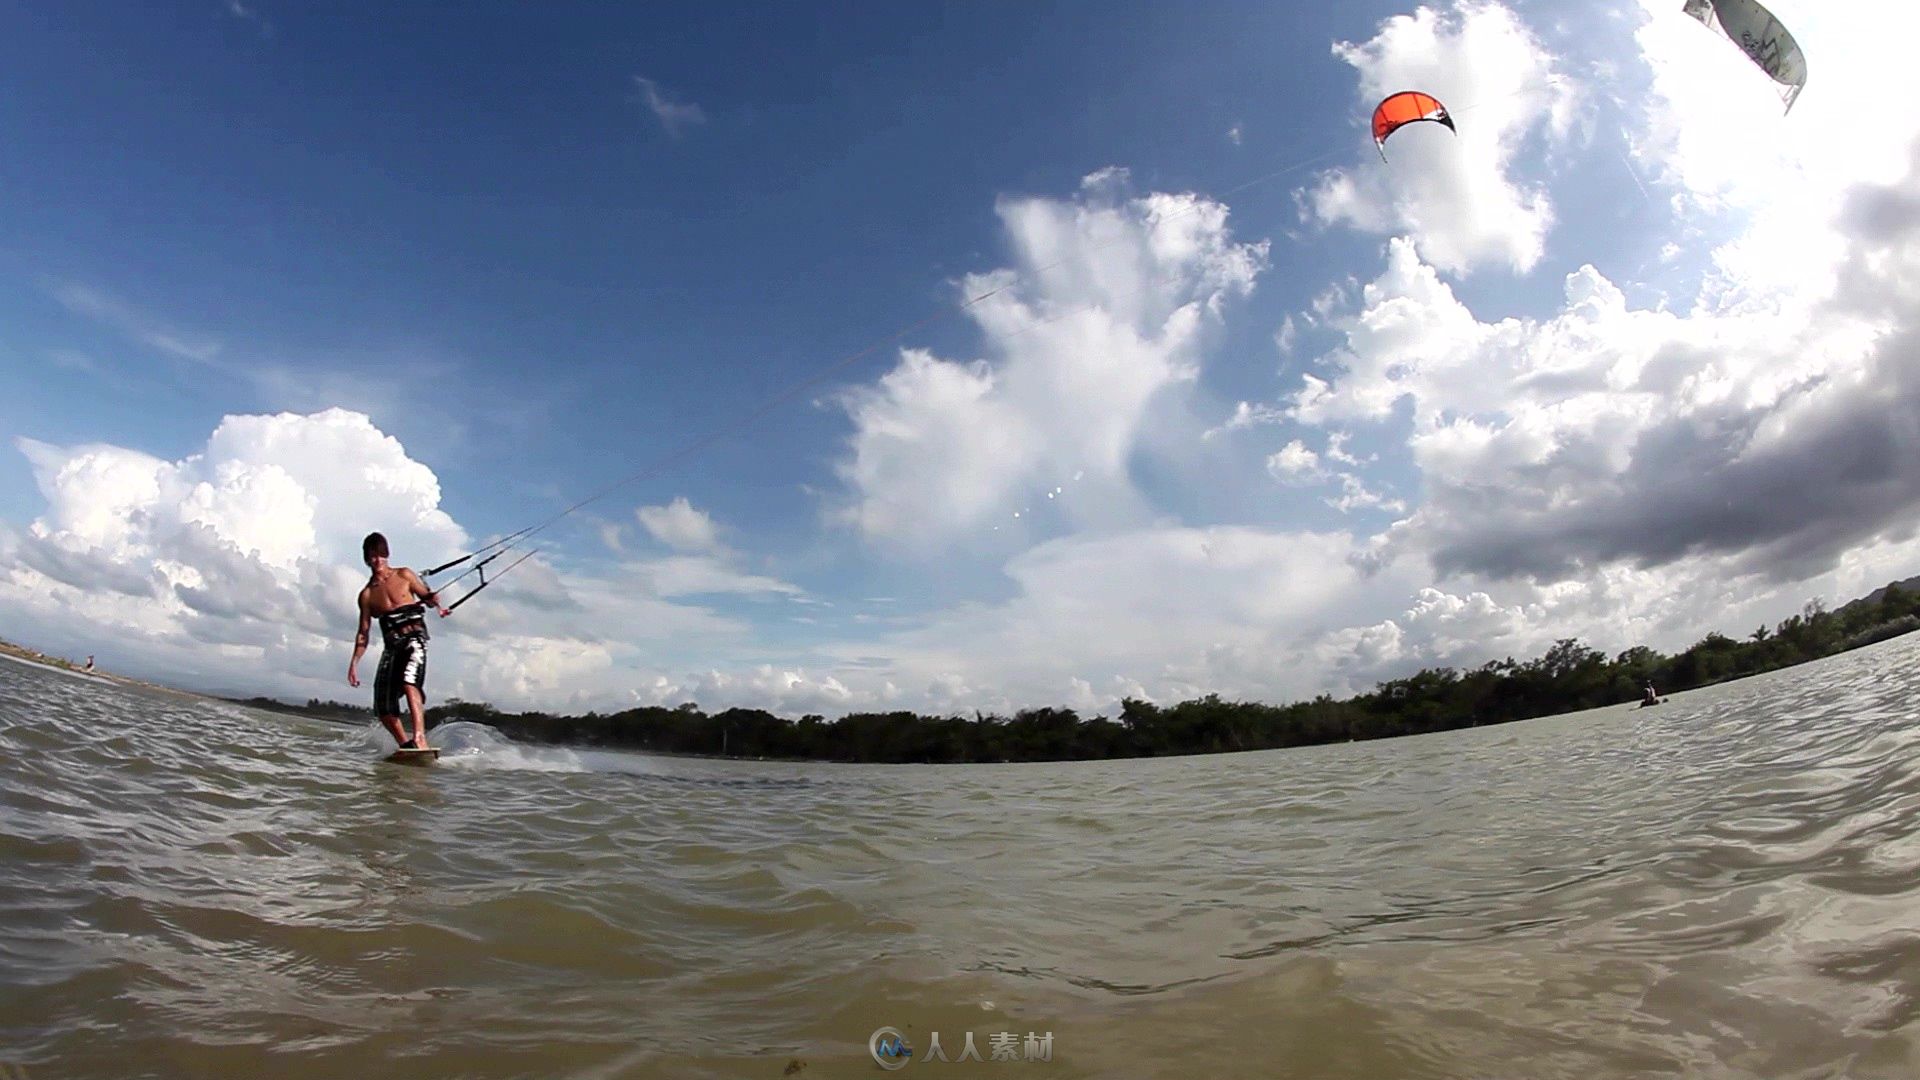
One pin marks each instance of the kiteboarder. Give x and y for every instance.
(1649, 696)
(397, 597)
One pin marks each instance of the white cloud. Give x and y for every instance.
(1355, 494)
(249, 546)
(673, 115)
(1103, 314)
(1201, 610)
(236, 567)
(1776, 431)
(1457, 196)
(792, 690)
(258, 487)
(1295, 464)
(1413, 340)
(1636, 474)
(702, 576)
(1762, 183)
(1337, 449)
(1246, 414)
(680, 526)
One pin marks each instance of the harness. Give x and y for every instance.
(404, 623)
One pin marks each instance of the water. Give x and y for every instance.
(1726, 886)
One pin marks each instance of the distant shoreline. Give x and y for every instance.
(40, 659)
(21, 654)
(1569, 677)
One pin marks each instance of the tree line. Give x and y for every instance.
(1568, 677)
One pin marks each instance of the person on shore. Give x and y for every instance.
(89, 668)
(398, 598)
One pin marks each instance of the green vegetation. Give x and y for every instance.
(323, 710)
(1570, 676)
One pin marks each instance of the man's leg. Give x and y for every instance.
(386, 704)
(416, 703)
(393, 728)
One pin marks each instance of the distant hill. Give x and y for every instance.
(1911, 587)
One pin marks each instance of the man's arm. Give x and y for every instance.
(359, 642)
(420, 590)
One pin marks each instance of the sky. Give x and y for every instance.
(946, 358)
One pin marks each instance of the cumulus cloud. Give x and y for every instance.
(1295, 464)
(1104, 312)
(1631, 473)
(1608, 433)
(1202, 610)
(248, 546)
(1357, 494)
(680, 526)
(257, 488)
(237, 566)
(1458, 197)
(1774, 425)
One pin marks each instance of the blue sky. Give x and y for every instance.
(489, 198)
(528, 250)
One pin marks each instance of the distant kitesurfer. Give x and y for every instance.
(397, 597)
(89, 668)
(1648, 696)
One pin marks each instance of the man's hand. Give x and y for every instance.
(353, 677)
(445, 611)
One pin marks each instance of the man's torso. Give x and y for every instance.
(390, 600)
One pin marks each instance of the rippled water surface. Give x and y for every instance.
(1728, 885)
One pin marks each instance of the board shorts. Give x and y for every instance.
(403, 663)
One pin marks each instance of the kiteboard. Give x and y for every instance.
(426, 756)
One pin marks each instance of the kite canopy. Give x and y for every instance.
(1406, 107)
(1759, 35)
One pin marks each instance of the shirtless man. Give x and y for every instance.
(397, 597)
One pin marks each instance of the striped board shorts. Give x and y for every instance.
(403, 663)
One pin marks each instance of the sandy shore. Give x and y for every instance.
(35, 658)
